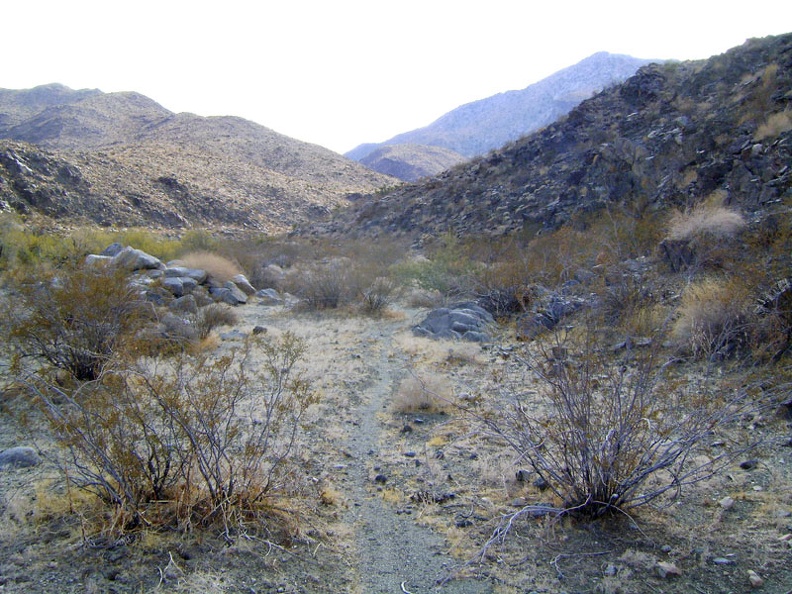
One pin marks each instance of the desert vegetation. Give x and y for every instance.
(612, 381)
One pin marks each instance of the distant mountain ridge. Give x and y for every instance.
(478, 127)
(133, 162)
(668, 137)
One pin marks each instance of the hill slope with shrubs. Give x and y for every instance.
(666, 138)
(121, 159)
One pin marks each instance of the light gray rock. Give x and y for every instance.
(269, 297)
(241, 281)
(133, 259)
(95, 261)
(19, 457)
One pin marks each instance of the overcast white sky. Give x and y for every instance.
(342, 72)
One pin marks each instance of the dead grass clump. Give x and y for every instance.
(717, 222)
(219, 268)
(428, 395)
(775, 125)
(712, 318)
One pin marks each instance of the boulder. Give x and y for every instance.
(112, 250)
(466, 321)
(269, 297)
(95, 261)
(229, 293)
(197, 274)
(19, 457)
(133, 259)
(241, 281)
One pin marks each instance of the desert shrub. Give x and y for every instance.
(427, 395)
(608, 435)
(194, 440)
(219, 268)
(322, 285)
(446, 267)
(73, 320)
(210, 317)
(379, 295)
(713, 317)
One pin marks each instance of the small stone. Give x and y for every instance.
(541, 484)
(666, 569)
(726, 503)
(381, 479)
(755, 579)
(610, 570)
(666, 549)
(259, 330)
(749, 464)
(406, 429)
(409, 454)
(522, 475)
(723, 561)
(439, 455)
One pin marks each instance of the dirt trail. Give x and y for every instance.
(394, 553)
(390, 552)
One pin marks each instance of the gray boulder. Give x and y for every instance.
(228, 293)
(19, 457)
(241, 281)
(95, 261)
(112, 250)
(196, 274)
(133, 259)
(465, 321)
(269, 297)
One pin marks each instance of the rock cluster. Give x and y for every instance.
(190, 287)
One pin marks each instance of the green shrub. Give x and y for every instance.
(73, 320)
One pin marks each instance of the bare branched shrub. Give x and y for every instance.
(379, 295)
(73, 320)
(194, 440)
(211, 316)
(713, 317)
(325, 285)
(610, 435)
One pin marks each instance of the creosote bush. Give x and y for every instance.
(194, 440)
(74, 320)
(609, 435)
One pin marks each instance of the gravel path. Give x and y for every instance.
(394, 553)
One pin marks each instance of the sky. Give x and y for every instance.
(339, 73)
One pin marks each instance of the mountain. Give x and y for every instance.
(478, 127)
(410, 162)
(122, 159)
(669, 136)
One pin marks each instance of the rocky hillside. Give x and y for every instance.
(478, 127)
(121, 159)
(669, 136)
(411, 162)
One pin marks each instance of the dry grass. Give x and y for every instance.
(775, 125)
(711, 317)
(428, 394)
(714, 221)
(219, 268)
